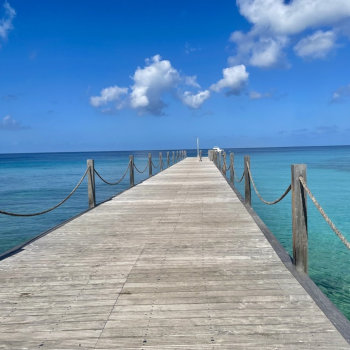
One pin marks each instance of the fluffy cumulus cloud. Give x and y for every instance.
(277, 23)
(8, 123)
(195, 100)
(150, 84)
(6, 20)
(109, 94)
(233, 81)
(317, 45)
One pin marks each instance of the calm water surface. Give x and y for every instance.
(33, 182)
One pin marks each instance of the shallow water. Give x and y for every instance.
(32, 182)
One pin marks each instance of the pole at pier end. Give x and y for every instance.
(91, 183)
(247, 189)
(299, 219)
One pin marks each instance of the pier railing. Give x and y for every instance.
(90, 173)
(300, 191)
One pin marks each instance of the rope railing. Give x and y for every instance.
(91, 171)
(139, 171)
(116, 182)
(324, 215)
(298, 188)
(239, 180)
(155, 166)
(259, 195)
(52, 208)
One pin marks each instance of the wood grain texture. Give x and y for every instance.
(176, 262)
(299, 218)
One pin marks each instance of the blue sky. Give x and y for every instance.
(121, 75)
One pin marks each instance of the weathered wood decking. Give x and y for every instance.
(173, 263)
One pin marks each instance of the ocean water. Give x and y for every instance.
(33, 182)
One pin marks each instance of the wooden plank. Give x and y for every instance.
(174, 262)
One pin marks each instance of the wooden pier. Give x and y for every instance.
(176, 262)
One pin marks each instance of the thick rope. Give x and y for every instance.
(259, 195)
(139, 171)
(239, 180)
(155, 166)
(325, 216)
(113, 183)
(52, 208)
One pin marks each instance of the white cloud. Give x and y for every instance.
(192, 81)
(254, 95)
(195, 100)
(281, 18)
(275, 21)
(234, 79)
(8, 123)
(6, 21)
(112, 93)
(150, 85)
(151, 82)
(341, 94)
(317, 45)
(260, 51)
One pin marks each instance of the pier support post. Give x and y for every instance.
(91, 183)
(247, 188)
(173, 157)
(131, 171)
(219, 160)
(149, 164)
(200, 155)
(232, 174)
(299, 219)
(167, 159)
(224, 164)
(160, 161)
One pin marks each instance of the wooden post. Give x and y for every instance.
(131, 171)
(160, 161)
(200, 155)
(215, 158)
(173, 157)
(167, 159)
(149, 164)
(299, 219)
(232, 171)
(219, 160)
(247, 189)
(224, 164)
(91, 183)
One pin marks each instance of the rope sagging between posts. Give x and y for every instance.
(52, 208)
(259, 195)
(239, 180)
(139, 171)
(155, 166)
(113, 183)
(325, 216)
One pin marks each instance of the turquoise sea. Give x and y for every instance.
(33, 182)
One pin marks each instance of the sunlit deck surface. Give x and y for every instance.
(176, 262)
